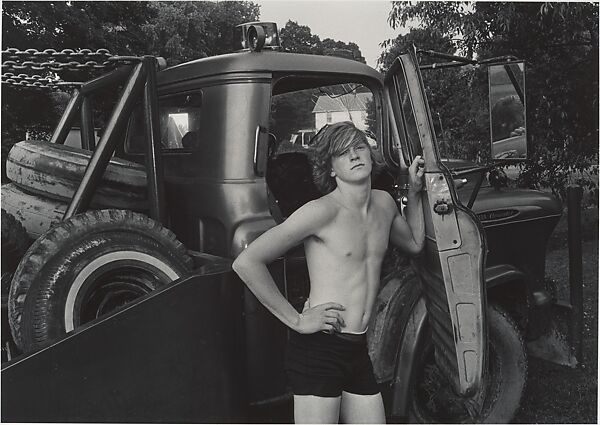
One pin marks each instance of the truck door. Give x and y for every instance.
(452, 264)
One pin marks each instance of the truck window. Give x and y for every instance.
(179, 121)
(296, 116)
(405, 118)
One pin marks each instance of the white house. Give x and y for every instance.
(345, 107)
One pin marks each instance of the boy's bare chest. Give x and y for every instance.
(352, 236)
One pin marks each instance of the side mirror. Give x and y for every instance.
(507, 111)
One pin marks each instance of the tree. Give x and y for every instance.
(75, 25)
(332, 47)
(416, 36)
(559, 42)
(291, 112)
(457, 96)
(188, 30)
(296, 38)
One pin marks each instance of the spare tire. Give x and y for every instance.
(88, 266)
(55, 171)
(15, 242)
(36, 213)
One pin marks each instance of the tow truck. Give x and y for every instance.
(125, 307)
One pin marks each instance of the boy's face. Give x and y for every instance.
(353, 163)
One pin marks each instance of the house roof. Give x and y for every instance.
(345, 102)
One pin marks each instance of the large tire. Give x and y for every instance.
(36, 213)
(433, 400)
(15, 242)
(86, 267)
(55, 171)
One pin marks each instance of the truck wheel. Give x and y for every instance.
(55, 171)
(434, 401)
(14, 244)
(86, 267)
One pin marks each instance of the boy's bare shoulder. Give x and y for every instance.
(320, 211)
(384, 200)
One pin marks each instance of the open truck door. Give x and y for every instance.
(451, 268)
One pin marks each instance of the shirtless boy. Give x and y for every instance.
(345, 235)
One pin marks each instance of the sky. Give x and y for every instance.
(363, 22)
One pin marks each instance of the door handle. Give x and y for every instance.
(442, 207)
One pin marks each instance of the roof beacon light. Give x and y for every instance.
(255, 36)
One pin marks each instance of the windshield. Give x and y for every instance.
(296, 116)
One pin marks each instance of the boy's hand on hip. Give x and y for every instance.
(415, 174)
(322, 317)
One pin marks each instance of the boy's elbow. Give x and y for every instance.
(238, 263)
(244, 264)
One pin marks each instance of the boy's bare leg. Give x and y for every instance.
(312, 409)
(362, 409)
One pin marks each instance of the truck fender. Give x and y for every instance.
(510, 287)
(414, 335)
(394, 334)
(502, 273)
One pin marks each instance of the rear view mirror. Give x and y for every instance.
(507, 111)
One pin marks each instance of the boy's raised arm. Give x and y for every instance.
(409, 233)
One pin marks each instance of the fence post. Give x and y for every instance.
(574, 196)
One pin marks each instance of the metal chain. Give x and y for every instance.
(15, 62)
(36, 81)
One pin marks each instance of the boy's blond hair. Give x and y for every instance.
(330, 141)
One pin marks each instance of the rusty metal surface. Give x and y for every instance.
(55, 171)
(35, 213)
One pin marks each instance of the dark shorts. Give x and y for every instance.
(324, 364)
